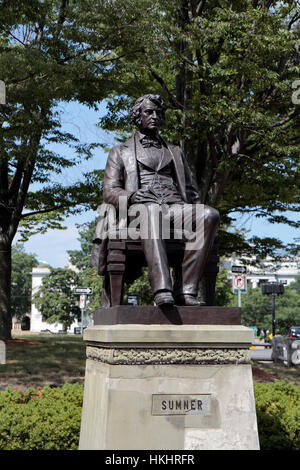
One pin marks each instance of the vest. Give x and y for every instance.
(157, 173)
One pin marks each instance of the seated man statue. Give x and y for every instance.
(148, 171)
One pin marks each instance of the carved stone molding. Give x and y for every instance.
(145, 356)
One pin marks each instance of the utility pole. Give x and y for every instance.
(273, 289)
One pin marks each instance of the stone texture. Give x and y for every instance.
(120, 382)
(169, 335)
(144, 356)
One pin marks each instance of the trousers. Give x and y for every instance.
(196, 224)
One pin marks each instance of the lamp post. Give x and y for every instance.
(273, 289)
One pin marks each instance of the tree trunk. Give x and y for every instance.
(5, 280)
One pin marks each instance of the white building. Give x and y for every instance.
(267, 270)
(37, 323)
(264, 271)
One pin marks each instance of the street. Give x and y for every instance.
(261, 354)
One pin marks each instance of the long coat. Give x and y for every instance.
(121, 179)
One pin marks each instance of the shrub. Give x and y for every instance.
(47, 418)
(278, 415)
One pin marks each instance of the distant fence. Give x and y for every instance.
(286, 350)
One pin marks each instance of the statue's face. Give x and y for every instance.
(151, 116)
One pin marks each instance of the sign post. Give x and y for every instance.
(82, 304)
(83, 292)
(239, 286)
(273, 289)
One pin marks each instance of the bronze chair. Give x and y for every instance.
(125, 260)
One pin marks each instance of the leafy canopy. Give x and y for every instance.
(56, 299)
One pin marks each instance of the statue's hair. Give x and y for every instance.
(135, 114)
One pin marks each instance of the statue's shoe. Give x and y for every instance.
(163, 298)
(189, 300)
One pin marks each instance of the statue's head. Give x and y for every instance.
(148, 112)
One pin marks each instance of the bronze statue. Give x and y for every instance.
(147, 171)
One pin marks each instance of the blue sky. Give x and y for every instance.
(82, 122)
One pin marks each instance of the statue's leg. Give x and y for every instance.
(155, 251)
(204, 225)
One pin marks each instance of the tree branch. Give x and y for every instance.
(16, 180)
(160, 80)
(42, 211)
(200, 7)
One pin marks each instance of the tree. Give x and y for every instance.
(141, 287)
(81, 259)
(56, 298)
(287, 310)
(22, 264)
(43, 60)
(224, 295)
(225, 69)
(257, 308)
(89, 276)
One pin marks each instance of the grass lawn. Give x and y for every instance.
(39, 359)
(35, 360)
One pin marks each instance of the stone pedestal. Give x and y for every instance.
(163, 387)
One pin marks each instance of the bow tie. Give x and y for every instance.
(146, 142)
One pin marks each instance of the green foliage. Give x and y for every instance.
(224, 295)
(82, 258)
(90, 278)
(278, 416)
(42, 64)
(226, 72)
(45, 58)
(225, 69)
(22, 264)
(56, 298)
(142, 288)
(257, 308)
(41, 419)
(49, 418)
(288, 307)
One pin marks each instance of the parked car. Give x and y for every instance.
(294, 332)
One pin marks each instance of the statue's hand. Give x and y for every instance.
(142, 196)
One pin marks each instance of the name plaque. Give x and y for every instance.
(181, 404)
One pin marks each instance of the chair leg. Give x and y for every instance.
(116, 267)
(116, 286)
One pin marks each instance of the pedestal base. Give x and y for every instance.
(163, 387)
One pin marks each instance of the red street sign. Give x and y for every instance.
(239, 283)
(82, 300)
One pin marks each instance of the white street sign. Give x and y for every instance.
(238, 269)
(84, 290)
